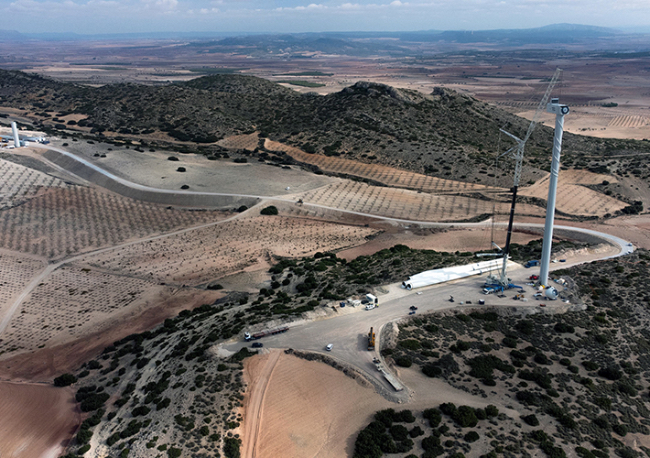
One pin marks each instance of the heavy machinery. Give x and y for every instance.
(371, 340)
(258, 335)
(518, 152)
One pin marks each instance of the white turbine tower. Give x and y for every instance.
(14, 130)
(519, 160)
(559, 111)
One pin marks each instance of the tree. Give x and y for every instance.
(65, 380)
(270, 210)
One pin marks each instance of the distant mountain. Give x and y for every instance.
(11, 35)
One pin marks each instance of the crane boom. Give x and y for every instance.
(519, 161)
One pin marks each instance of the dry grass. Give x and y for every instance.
(16, 272)
(63, 221)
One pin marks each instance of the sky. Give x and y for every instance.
(133, 16)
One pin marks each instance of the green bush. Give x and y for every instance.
(491, 410)
(83, 450)
(590, 365)
(231, 447)
(471, 436)
(270, 210)
(416, 432)
(174, 452)
(434, 417)
(140, 410)
(531, 419)
(620, 429)
(404, 361)
(410, 344)
(610, 373)
(399, 432)
(465, 417)
(431, 370)
(65, 380)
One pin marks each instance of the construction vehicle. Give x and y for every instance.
(531, 263)
(248, 336)
(490, 288)
(371, 340)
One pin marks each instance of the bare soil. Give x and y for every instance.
(25, 430)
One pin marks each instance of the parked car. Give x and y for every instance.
(329, 347)
(534, 277)
(257, 345)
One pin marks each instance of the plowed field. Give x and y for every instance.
(34, 419)
(381, 173)
(405, 204)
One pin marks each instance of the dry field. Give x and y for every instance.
(63, 221)
(247, 142)
(294, 422)
(19, 184)
(468, 239)
(387, 175)
(631, 122)
(152, 168)
(573, 197)
(199, 256)
(406, 204)
(286, 419)
(73, 301)
(16, 271)
(25, 430)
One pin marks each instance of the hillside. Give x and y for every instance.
(443, 134)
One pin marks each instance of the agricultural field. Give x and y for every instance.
(574, 197)
(72, 302)
(406, 204)
(19, 184)
(246, 142)
(247, 243)
(64, 221)
(380, 173)
(16, 271)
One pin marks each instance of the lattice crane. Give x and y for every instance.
(518, 153)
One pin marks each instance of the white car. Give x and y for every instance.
(329, 347)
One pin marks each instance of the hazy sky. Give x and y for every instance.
(120, 16)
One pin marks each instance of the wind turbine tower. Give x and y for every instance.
(559, 110)
(14, 130)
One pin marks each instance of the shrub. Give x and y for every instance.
(399, 432)
(531, 419)
(610, 373)
(83, 450)
(465, 417)
(416, 432)
(410, 344)
(174, 452)
(242, 209)
(385, 417)
(448, 408)
(65, 380)
(564, 328)
(541, 358)
(431, 370)
(94, 401)
(510, 342)
(590, 365)
(434, 417)
(482, 366)
(471, 436)
(270, 210)
(172, 158)
(84, 436)
(405, 416)
(140, 410)
(404, 361)
(620, 429)
(491, 410)
(180, 169)
(430, 443)
(231, 447)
